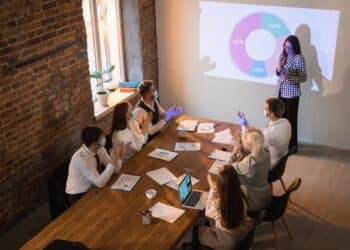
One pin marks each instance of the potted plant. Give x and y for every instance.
(104, 77)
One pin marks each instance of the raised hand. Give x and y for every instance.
(145, 124)
(211, 182)
(242, 119)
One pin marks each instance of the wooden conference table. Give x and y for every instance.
(107, 219)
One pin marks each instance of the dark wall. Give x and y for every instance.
(45, 104)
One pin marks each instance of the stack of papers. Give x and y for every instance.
(174, 184)
(205, 128)
(161, 176)
(125, 182)
(215, 168)
(187, 125)
(166, 212)
(220, 155)
(224, 137)
(163, 154)
(187, 146)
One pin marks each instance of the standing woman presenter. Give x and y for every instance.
(291, 71)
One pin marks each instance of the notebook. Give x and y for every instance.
(125, 182)
(187, 125)
(161, 175)
(166, 212)
(163, 154)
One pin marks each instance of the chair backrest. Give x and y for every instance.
(57, 193)
(278, 204)
(277, 172)
(65, 245)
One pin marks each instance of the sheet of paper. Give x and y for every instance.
(163, 154)
(224, 137)
(187, 125)
(166, 212)
(174, 184)
(215, 168)
(220, 155)
(205, 128)
(125, 182)
(187, 146)
(161, 175)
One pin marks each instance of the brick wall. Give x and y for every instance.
(148, 38)
(45, 104)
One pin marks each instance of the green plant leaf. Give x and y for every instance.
(109, 69)
(107, 80)
(96, 75)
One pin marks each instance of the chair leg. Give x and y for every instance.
(271, 187)
(286, 225)
(275, 235)
(283, 185)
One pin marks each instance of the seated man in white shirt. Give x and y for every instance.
(85, 166)
(278, 133)
(149, 105)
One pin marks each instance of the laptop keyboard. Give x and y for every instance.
(193, 199)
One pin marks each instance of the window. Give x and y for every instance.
(104, 43)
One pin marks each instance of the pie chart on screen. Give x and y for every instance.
(256, 43)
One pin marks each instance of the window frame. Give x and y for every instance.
(99, 111)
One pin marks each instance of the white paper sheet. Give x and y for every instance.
(161, 175)
(163, 154)
(174, 184)
(205, 128)
(187, 125)
(187, 146)
(220, 155)
(215, 168)
(125, 182)
(224, 137)
(166, 212)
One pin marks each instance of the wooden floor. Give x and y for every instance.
(319, 216)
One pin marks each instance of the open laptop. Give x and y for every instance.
(191, 198)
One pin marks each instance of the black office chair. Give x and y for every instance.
(277, 172)
(56, 187)
(247, 239)
(278, 206)
(65, 245)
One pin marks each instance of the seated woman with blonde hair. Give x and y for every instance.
(252, 162)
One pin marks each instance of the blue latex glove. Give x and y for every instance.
(173, 111)
(242, 120)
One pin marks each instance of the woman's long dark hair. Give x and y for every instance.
(294, 41)
(119, 121)
(230, 198)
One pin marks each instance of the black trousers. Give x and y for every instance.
(73, 198)
(291, 113)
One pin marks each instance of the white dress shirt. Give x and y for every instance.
(82, 172)
(277, 136)
(141, 115)
(132, 134)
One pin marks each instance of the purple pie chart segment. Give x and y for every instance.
(237, 44)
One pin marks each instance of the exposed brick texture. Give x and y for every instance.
(44, 105)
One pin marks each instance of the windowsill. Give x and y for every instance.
(113, 99)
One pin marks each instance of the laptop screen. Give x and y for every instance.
(185, 188)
